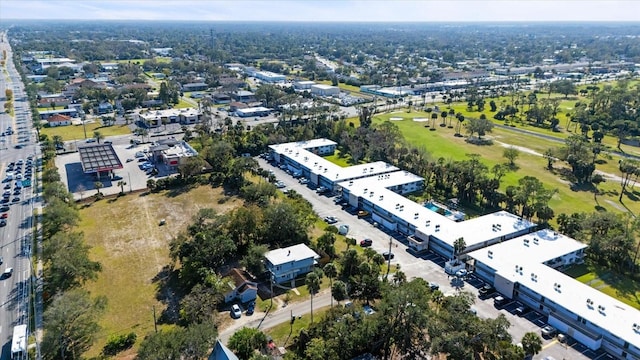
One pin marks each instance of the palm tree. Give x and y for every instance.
(459, 245)
(313, 285)
(444, 118)
(451, 115)
(98, 136)
(98, 185)
(121, 184)
(331, 272)
(531, 343)
(57, 141)
(460, 118)
(434, 117)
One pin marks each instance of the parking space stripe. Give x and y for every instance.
(555, 341)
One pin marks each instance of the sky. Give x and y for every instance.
(325, 10)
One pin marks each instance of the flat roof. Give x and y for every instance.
(544, 245)
(98, 157)
(324, 86)
(323, 167)
(538, 247)
(253, 109)
(179, 149)
(292, 253)
(360, 187)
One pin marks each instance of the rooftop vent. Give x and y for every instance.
(526, 242)
(557, 287)
(490, 254)
(601, 309)
(381, 197)
(536, 241)
(590, 303)
(636, 327)
(534, 277)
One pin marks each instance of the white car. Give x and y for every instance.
(236, 312)
(7, 273)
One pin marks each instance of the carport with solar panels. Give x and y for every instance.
(99, 159)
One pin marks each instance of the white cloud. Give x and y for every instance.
(326, 10)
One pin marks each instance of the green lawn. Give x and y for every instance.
(340, 160)
(76, 132)
(341, 86)
(620, 287)
(183, 104)
(284, 333)
(442, 143)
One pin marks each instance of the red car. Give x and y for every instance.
(366, 242)
(4, 215)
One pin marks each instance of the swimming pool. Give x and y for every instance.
(435, 208)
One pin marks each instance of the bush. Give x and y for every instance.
(118, 343)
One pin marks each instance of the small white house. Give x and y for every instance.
(58, 120)
(242, 290)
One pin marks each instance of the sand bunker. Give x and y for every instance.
(396, 119)
(420, 119)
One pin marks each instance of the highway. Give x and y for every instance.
(17, 234)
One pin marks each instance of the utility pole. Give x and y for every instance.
(389, 258)
(155, 323)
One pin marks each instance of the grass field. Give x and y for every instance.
(621, 288)
(442, 143)
(76, 132)
(341, 86)
(125, 237)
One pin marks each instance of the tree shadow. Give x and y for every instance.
(169, 294)
(180, 190)
(599, 208)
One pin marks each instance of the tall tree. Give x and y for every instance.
(71, 325)
(531, 343)
(246, 341)
(313, 285)
(331, 271)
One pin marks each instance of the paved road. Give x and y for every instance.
(277, 315)
(16, 236)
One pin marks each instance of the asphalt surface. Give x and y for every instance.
(16, 237)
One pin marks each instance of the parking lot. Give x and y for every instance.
(71, 173)
(430, 267)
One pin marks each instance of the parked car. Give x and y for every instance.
(251, 308)
(486, 290)
(321, 190)
(363, 213)
(304, 181)
(343, 229)
(388, 255)
(548, 331)
(461, 273)
(366, 242)
(236, 312)
(3, 222)
(280, 185)
(499, 301)
(7, 273)
(330, 219)
(434, 286)
(91, 140)
(522, 310)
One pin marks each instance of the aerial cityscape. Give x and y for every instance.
(320, 180)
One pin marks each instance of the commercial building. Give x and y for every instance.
(325, 90)
(156, 118)
(46, 114)
(172, 152)
(303, 85)
(253, 111)
(288, 263)
(270, 77)
(503, 249)
(200, 86)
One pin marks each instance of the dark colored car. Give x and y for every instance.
(251, 308)
(388, 255)
(367, 243)
(486, 290)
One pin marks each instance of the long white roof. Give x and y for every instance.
(530, 251)
(366, 186)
